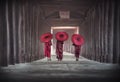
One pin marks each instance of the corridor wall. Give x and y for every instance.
(101, 29)
(21, 24)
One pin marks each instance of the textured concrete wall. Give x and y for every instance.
(21, 24)
(101, 32)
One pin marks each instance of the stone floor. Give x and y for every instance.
(70, 70)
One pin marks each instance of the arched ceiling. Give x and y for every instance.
(77, 8)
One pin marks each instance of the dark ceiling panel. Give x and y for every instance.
(67, 2)
(51, 8)
(77, 8)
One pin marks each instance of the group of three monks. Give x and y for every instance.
(77, 40)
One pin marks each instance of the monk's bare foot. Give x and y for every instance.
(77, 59)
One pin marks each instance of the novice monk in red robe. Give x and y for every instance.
(60, 37)
(47, 50)
(59, 50)
(78, 41)
(77, 51)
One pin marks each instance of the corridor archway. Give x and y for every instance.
(68, 48)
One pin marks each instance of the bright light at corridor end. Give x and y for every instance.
(65, 27)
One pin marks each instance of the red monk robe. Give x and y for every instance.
(77, 51)
(47, 50)
(59, 50)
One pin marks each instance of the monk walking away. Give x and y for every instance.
(78, 41)
(46, 39)
(59, 50)
(60, 37)
(47, 50)
(77, 51)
